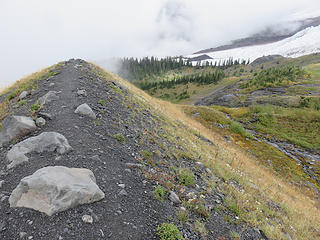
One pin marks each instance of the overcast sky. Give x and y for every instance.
(38, 33)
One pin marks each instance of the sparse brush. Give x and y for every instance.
(159, 193)
(238, 129)
(182, 215)
(119, 137)
(35, 107)
(185, 177)
(200, 227)
(168, 231)
(235, 235)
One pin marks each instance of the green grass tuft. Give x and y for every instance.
(168, 231)
(119, 137)
(159, 193)
(186, 177)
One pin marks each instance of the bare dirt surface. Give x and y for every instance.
(130, 214)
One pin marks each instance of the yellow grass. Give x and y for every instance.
(302, 209)
(16, 88)
(24, 80)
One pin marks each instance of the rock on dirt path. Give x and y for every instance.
(55, 189)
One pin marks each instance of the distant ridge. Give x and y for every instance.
(269, 35)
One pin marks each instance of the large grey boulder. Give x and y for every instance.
(48, 97)
(85, 110)
(45, 142)
(55, 189)
(14, 127)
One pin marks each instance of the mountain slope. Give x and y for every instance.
(122, 149)
(302, 43)
(140, 144)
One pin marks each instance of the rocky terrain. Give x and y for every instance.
(81, 158)
(234, 96)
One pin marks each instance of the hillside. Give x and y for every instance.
(271, 105)
(160, 173)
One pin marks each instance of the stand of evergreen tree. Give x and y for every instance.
(200, 79)
(138, 69)
(135, 69)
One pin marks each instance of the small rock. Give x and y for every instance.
(23, 95)
(30, 237)
(227, 138)
(274, 205)
(4, 198)
(47, 116)
(40, 121)
(123, 193)
(85, 110)
(2, 226)
(122, 185)
(1, 182)
(200, 164)
(87, 219)
(82, 92)
(270, 163)
(22, 234)
(51, 84)
(134, 165)
(95, 158)
(208, 171)
(191, 195)
(173, 197)
(48, 97)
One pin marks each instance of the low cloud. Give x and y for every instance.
(38, 33)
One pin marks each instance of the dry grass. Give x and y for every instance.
(5, 110)
(25, 81)
(301, 216)
(15, 89)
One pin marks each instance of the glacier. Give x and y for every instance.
(302, 43)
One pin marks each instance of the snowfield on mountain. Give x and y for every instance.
(302, 43)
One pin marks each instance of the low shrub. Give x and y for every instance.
(168, 231)
(185, 177)
(119, 137)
